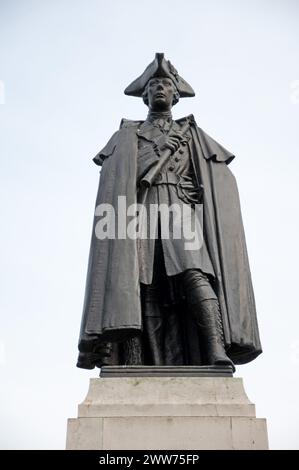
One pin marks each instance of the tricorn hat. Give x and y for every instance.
(160, 67)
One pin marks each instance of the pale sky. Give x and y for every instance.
(63, 68)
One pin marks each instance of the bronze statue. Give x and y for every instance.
(149, 300)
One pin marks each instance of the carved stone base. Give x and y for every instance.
(161, 412)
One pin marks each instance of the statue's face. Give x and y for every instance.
(160, 93)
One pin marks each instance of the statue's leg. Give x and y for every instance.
(152, 325)
(204, 306)
(132, 350)
(152, 311)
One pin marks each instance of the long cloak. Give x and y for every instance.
(112, 307)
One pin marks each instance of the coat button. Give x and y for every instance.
(177, 159)
(181, 151)
(171, 168)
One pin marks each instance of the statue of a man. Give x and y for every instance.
(154, 300)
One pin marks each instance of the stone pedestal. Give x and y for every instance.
(159, 412)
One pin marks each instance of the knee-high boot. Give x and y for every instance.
(133, 351)
(208, 318)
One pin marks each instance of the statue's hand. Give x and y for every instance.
(170, 141)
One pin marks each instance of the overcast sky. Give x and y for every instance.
(63, 68)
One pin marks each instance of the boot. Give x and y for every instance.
(133, 351)
(208, 318)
